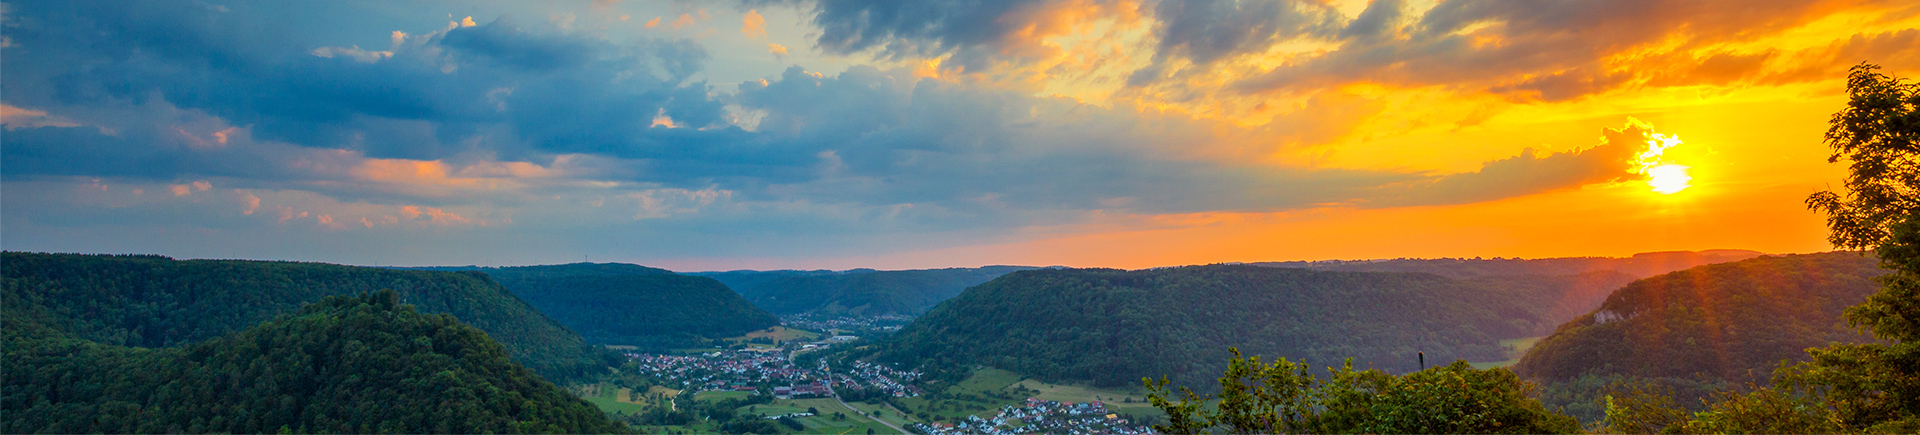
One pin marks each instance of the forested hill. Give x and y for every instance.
(859, 292)
(1722, 320)
(152, 301)
(345, 364)
(560, 269)
(634, 305)
(1114, 327)
(1639, 265)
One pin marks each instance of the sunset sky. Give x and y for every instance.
(915, 134)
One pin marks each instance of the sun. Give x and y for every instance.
(1669, 179)
(1663, 176)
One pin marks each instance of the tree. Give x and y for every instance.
(1284, 397)
(1878, 132)
(1875, 387)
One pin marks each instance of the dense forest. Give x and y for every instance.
(1694, 332)
(1114, 327)
(1722, 320)
(346, 364)
(857, 292)
(152, 301)
(634, 305)
(1639, 265)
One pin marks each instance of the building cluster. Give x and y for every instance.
(1040, 416)
(817, 322)
(732, 370)
(896, 383)
(810, 389)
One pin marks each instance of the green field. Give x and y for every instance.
(1517, 348)
(823, 423)
(721, 395)
(778, 407)
(988, 390)
(883, 413)
(1125, 401)
(777, 333)
(608, 399)
(981, 394)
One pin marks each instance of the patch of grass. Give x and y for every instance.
(1516, 348)
(778, 407)
(824, 423)
(982, 394)
(720, 395)
(610, 399)
(882, 412)
(1116, 399)
(987, 390)
(777, 333)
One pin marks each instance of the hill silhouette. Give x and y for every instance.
(628, 304)
(856, 292)
(1114, 327)
(153, 301)
(349, 364)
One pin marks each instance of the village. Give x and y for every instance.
(771, 370)
(1040, 416)
(859, 325)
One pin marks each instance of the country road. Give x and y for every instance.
(836, 397)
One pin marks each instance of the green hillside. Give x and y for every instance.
(858, 292)
(1693, 332)
(151, 301)
(344, 364)
(1114, 327)
(1723, 320)
(633, 305)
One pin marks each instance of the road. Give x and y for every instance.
(836, 398)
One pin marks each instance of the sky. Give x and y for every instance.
(766, 134)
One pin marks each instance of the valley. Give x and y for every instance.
(1044, 350)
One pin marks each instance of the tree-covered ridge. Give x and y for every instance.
(610, 304)
(151, 301)
(1724, 320)
(857, 292)
(1639, 265)
(561, 269)
(1114, 327)
(344, 364)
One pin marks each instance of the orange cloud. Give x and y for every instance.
(15, 117)
(778, 51)
(753, 25)
(249, 203)
(683, 21)
(655, 22)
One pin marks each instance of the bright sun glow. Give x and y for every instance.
(1664, 177)
(1668, 179)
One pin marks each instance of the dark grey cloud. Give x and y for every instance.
(1379, 19)
(1545, 50)
(288, 89)
(1207, 31)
